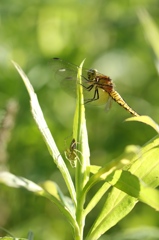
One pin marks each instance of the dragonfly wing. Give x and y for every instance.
(66, 74)
(108, 104)
(62, 68)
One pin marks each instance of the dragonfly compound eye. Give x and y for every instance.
(92, 74)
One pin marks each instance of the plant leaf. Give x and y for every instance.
(150, 29)
(117, 206)
(42, 125)
(56, 196)
(80, 133)
(53, 189)
(12, 238)
(136, 182)
(145, 119)
(96, 198)
(131, 184)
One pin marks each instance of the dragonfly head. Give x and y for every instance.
(92, 74)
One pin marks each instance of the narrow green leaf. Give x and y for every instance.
(42, 125)
(138, 233)
(53, 189)
(139, 183)
(131, 184)
(145, 119)
(97, 197)
(94, 168)
(100, 173)
(117, 206)
(80, 133)
(11, 238)
(104, 173)
(82, 169)
(55, 196)
(146, 164)
(11, 180)
(8, 233)
(151, 30)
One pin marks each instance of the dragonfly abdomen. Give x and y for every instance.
(117, 98)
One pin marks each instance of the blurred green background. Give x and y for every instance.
(110, 36)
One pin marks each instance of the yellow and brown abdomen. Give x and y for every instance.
(117, 98)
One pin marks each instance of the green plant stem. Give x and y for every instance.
(82, 170)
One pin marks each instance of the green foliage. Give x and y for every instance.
(110, 34)
(10, 238)
(127, 183)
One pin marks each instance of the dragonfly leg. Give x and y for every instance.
(95, 97)
(89, 88)
(88, 80)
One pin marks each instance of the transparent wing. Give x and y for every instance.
(108, 104)
(66, 74)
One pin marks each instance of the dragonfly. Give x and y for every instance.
(97, 86)
(71, 153)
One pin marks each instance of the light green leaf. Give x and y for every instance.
(136, 182)
(81, 135)
(12, 238)
(117, 206)
(82, 169)
(42, 125)
(97, 197)
(54, 194)
(132, 185)
(53, 189)
(100, 173)
(94, 168)
(145, 119)
(11, 180)
(151, 30)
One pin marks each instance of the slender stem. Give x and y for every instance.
(82, 172)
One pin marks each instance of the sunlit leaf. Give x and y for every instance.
(11, 238)
(151, 30)
(53, 189)
(79, 126)
(132, 185)
(117, 205)
(42, 125)
(145, 119)
(80, 134)
(56, 196)
(135, 183)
